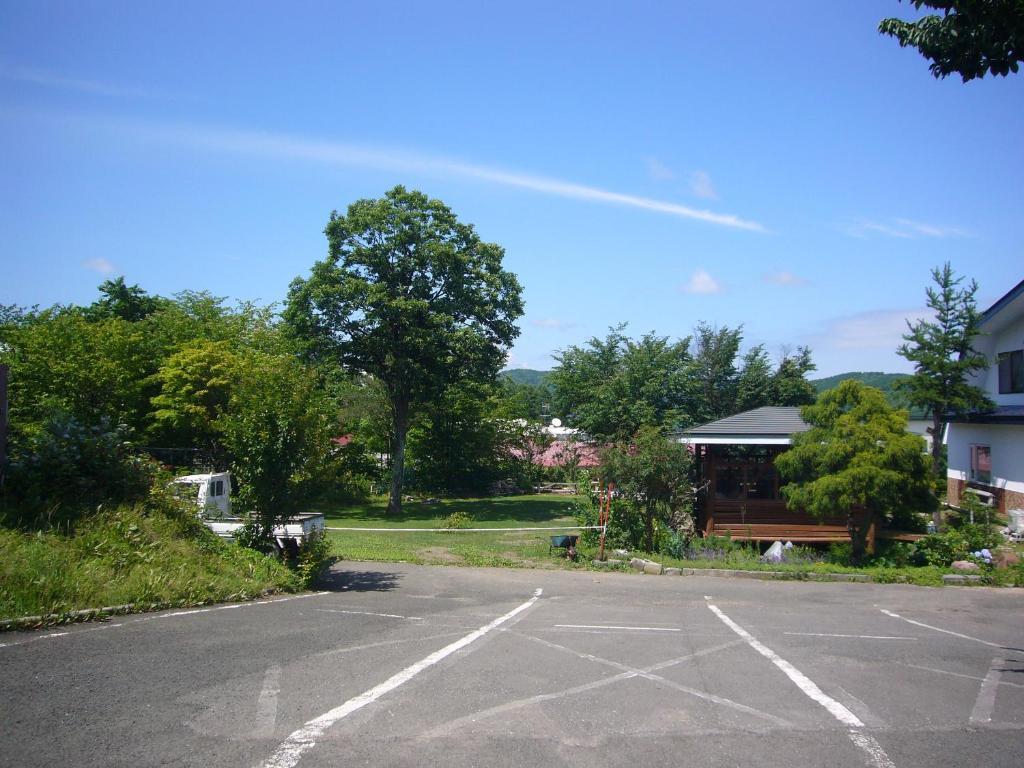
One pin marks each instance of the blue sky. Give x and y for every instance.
(776, 165)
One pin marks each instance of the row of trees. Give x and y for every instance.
(182, 373)
(612, 387)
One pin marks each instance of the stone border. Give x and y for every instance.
(656, 569)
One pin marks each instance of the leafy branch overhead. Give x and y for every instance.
(971, 37)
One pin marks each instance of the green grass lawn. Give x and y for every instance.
(527, 549)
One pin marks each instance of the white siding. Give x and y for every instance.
(991, 345)
(1007, 443)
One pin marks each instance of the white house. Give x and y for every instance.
(986, 450)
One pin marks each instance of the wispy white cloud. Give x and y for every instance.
(784, 278)
(49, 79)
(287, 147)
(872, 330)
(701, 282)
(657, 170)
(552, 323)
(103, 266)
(904, 229)
(701, 186)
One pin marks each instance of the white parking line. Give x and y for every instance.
(143, 618)
(859, 637)
(862, 740)
(231, 606)
(958, 674)
(370, 613)
(453, 726)
(611, 626)
(648, 674)
(266, 705)
(291, 749)
(986, 702)
(939, 629)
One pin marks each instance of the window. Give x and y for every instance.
(981, 463)
(1011, 372)
(218, 488)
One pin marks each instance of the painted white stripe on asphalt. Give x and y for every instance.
(939, 629)
(290, 751)
(369, 613)
(986, 702)
(648, 674)
(266, 705)
(860, 637)
(143, 618)
(804, 683)
(232, 606)
(611, 626)
(874, 750)
(863, 741)
(957, 674)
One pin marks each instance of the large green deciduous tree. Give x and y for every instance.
(943, 357)
(856, 461)
(412, 296)
(971, 37)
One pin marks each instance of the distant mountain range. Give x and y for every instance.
(526, 376)
(883, 381)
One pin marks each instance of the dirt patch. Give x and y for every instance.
(438, 555)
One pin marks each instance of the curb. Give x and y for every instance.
(89, 614)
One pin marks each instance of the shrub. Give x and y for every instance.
(840, 552)
(892, 554)
(941, 549)
(314, 555)
(458, 519)
(67, 468)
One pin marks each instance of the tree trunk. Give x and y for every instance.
(936, 443)
(937, 421)
(649, 529)
(857, 528)
(401, 419)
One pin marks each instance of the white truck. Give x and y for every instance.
(211, 493)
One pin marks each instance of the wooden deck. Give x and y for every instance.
(770, 521)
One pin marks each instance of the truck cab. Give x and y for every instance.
(210, 492)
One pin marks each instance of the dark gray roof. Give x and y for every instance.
(1003, 414)
(769, 421)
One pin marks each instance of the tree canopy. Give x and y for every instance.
(943, 357)
(857, 461)
(412, 296)
(971, 37)
(612, 387)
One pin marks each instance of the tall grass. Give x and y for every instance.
(129, 554)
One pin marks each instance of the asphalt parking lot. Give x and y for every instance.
(402, 665)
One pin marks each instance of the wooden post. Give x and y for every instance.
(869, 546)
(709, 506)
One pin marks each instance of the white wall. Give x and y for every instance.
(1005, 340)
(1007, 443)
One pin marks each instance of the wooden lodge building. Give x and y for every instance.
(739, 486)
